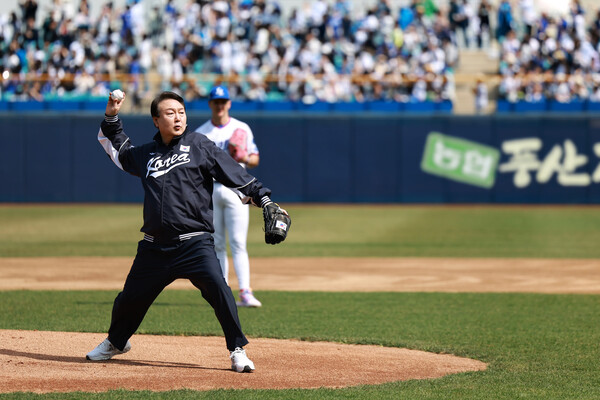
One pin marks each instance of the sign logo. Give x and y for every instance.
(184, 148)
(562, 161)
(460, 160)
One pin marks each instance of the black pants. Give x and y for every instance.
(156, 266)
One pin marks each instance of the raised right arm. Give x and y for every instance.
(113, 139)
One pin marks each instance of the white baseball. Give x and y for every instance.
(117, 94)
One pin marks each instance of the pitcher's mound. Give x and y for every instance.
(36, 361)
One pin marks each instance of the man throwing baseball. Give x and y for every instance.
(231, 216)
(177, 170)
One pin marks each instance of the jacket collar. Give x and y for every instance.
(158, 138)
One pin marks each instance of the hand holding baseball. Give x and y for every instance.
(115, 100)
(117, 94)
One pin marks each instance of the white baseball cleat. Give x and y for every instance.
(240, 362)
(106, 351)
(247, 299)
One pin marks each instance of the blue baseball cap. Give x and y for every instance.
(219, 92)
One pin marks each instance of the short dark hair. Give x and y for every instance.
(164, 96)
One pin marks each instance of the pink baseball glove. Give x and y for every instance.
(238, 145)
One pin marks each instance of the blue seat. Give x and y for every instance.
(593, 106)
(93, 104)
(352, 106)
(384, 106)
(3, 106)
(531, 106)
(27, 105)
(420, 106)
(278, 106)
(503, 106)
(444, 106)
(572, 106)
(201, 105)
(317, 106)
(64, 105)
(244, 105)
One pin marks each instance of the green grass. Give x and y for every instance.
(326, 231)
(537, 346)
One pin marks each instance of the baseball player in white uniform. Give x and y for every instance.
(231, 216)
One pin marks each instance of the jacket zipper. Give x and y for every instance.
(162, 199)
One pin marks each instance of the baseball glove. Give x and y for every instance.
(238, 145)
(277, 223)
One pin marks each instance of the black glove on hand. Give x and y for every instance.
(277, 223)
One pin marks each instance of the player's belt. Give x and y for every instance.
(180, 238)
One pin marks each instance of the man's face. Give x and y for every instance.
(220, 107)
(171, 120)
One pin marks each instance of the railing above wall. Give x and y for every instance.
(99, 104)
(141, 88)
(552, 106)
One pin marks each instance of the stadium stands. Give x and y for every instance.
(554, 65)
(313, 59)
(321, 57)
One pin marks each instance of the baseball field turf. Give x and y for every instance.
(537, 346)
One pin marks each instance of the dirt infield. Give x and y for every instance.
(330, 274)
(54, 361)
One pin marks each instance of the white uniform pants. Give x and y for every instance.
(231, 219)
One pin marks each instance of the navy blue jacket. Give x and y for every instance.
(178, 178)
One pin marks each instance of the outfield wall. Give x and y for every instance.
(332, 158)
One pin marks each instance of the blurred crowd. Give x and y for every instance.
(550, 58)
(321, 52)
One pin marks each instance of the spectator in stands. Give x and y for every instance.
(84, 82)
(484, 32)
(528, 16)
(12, 28)
(535, 92)
(595, 88)
(406, 17)
(505, 20)
(419, 91)
(49, 31)
(480, 92)
(30, 36)
(560, 89)
(459, 21)
(28, 10)
(595, 28)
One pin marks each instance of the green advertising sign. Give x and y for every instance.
(460, 160)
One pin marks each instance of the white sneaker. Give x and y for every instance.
(247, 299)
(240, 362)
(106, 351)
